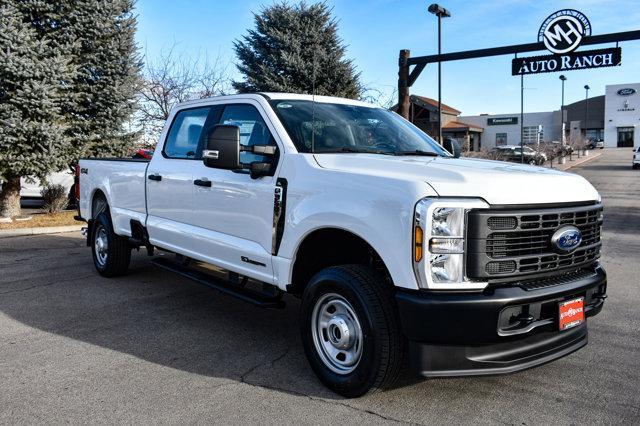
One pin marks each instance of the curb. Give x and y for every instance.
(20, 232)
(581, 162)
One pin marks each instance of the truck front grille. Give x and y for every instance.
(511, 243)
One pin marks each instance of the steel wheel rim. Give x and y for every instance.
(337, 334)
(101, 246)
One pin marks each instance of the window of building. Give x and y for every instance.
(530, 134)
(501, 139)
(595, 134)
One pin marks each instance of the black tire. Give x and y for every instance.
(112, 260)
(384, 347)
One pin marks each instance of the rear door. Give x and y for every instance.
(170, 180)
(235, 214)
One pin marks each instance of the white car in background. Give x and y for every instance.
(32, 187)
(636, 158)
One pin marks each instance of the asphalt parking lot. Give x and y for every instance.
(155, 348)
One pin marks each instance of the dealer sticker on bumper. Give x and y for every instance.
(571, 313)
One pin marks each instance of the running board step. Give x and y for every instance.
(254, 297)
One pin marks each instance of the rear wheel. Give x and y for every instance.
(351, 331)
(111, 252)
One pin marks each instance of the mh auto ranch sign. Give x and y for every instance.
(561, 34)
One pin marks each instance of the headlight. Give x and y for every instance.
(439, 243)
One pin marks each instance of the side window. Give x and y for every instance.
(253, 129)
(183, 137)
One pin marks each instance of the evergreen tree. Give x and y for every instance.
(108, 68)
(294, 48)
(31, 128)
(93, 93)
(98, 36)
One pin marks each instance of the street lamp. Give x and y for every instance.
(440, 12)
(563, 79)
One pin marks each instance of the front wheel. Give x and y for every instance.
(111, 252)
(351, 330)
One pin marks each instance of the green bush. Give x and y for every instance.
(55, 198)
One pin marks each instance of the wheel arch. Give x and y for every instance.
(332, 246)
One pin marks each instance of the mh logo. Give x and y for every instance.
(563, 31)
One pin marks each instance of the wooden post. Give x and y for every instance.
(403, 83)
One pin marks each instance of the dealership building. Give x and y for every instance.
(613, 117)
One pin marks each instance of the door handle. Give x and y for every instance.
(155, 177)
(202, 182)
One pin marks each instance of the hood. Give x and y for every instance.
(496, 182)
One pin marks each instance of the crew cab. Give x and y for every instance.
(405, 257)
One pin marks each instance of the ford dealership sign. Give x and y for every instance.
(627, 91)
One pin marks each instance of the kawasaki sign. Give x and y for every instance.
(561, 34)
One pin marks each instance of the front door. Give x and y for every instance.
(625, 137)
(235, 214)
(170, 181)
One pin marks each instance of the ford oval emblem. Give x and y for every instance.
(626, 91)
(566, 239)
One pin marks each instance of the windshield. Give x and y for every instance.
(325, 128)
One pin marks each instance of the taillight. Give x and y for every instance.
(77, 182)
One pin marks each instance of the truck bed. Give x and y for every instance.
(122, 181)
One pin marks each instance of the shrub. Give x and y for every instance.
(55, 198)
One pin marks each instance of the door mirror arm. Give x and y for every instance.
(259, 149)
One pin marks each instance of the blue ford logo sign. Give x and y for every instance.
(566, 239)
(626, 91)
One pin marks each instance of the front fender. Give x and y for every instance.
(376, 209)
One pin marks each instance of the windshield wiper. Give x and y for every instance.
(418, 152)
(355, 151)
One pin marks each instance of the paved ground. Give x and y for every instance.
(151, 347)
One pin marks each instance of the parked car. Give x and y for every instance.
(636, 158)
(404, 255)
(31, 187)
(512, 153)
(593, 144)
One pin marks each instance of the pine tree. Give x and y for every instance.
(84, 55)
(104, 86)
(31, 128)
(295, 48)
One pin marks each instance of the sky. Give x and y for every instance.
(375, 31)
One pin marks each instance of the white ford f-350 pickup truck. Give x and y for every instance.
(406, 257)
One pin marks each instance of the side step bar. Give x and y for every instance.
(262, 300)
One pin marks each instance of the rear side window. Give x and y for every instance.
(185, 132)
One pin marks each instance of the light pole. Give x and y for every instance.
(563, 79)
(440, 12)
(586, 108)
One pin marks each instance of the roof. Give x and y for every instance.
(461, 125)
(278, 96)
(434, 103)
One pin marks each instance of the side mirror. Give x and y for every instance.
(223, 148)
(452, 146)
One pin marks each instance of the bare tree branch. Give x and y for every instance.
(172, 78)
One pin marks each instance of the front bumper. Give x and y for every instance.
(501, 330)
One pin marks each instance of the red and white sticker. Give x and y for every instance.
(571, 313)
